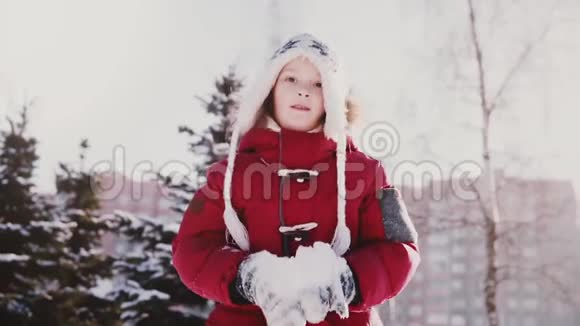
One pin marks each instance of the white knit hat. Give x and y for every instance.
(334, 91)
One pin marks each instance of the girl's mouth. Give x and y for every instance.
(300, 107)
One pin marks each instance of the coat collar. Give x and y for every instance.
(299, 149)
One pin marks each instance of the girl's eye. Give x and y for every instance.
(291, 79)
(319, 85)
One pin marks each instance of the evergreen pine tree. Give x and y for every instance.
(82, 263)
(31, 240)
(151, 292)
(209, 145)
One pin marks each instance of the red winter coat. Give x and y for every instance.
(207, 264)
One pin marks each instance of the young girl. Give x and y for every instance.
(297, 226)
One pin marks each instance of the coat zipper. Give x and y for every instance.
(285, 245)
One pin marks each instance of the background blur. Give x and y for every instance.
(472, 106)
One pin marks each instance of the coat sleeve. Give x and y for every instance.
(202, 259)
(387, 254)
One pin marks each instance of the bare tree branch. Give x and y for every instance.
(522, 58)
(478, 56)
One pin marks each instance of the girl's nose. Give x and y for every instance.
(303, 93)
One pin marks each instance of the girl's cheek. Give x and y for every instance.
(282, 89)
(287, 87)
(318, 93)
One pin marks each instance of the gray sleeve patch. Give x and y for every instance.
(396, 221)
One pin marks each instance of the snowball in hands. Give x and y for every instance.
(327, 282)
(264, 279)
(293, 290)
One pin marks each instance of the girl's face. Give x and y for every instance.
(298, 101)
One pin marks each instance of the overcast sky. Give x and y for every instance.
(126, 73)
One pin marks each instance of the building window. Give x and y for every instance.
(530, 252)
(531, 287)
(437, 319)
(457, 320)
(479, 321)
(415, 311)
(458, 268)
(458, 251)
(530, 304)
(513, 304)
(457, 284)
(530, 321)
(438, 239)
(458, 304)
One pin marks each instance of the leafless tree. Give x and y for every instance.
(498, 227)
(486, 88)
